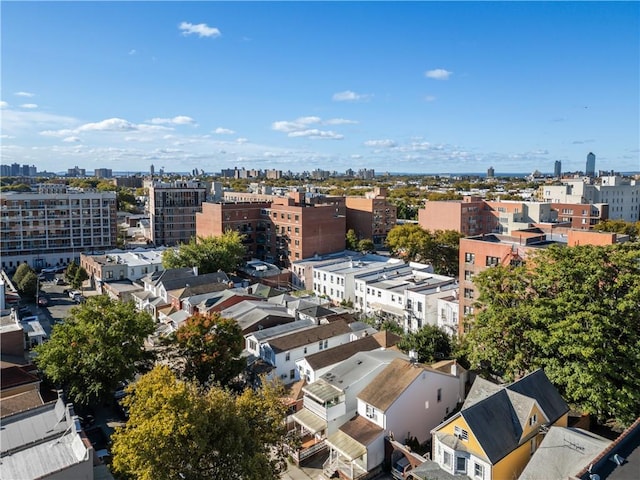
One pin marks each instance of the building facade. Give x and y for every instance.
(371, 216)
(172, 208)
(52, 227)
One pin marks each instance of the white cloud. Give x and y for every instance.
(438, 74)
(429, 98)
(29, 105)
(179, 120)
(298, 124)
(3, 104)
(24, 94)
(108, 125)
(132, 51)
(201, 29)
(223, 131)
(317, 134)
(301, 127)
(340, 121)
(242, 140)
(71, 139)
(7, 136)
(349, 96)
(356, 156)
(380, 143)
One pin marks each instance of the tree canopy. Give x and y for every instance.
(177, 430)
(209, 254)
(20, 273)
(211, 346)
(575, 312)
(619, 226)
(351, 240)
(95, 348)
(430, 342)
(439, 248)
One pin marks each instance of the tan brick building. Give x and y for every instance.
(371, 216)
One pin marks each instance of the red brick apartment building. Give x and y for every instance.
(475, 216)
(280, 231)
(371, 216)
(485, 251)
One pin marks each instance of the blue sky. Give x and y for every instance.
(424, 87)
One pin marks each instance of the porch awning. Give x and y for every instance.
(309, 420)
(397, 311)
(346, 446)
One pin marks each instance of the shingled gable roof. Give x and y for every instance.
(337, 354)
(498, 419)
(383, 390)
(206, 279)
(307, 337)
(155, 278)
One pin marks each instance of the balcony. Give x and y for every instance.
(328, 411)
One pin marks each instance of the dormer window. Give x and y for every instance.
(461, 433)
(533, 420)
(370, 412)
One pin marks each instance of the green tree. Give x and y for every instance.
(445, 252)
(573, 312)
(176, 430)
(619, 226)
(98, 346)
(209, 254)
(430, 342)
(352, 240)
(366, 245)
(80, 276)
(70, 272)
(409, 241)
(20, 273)
(28, 286)
(211, 346)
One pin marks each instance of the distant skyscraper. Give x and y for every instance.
(557, 169)
(152, 169)
(491, 172)
(591, 165)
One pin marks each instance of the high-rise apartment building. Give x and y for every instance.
(557, 169)
(103, 173)
(52, 227)
(172, 209)
(590, 170)
(491, 173)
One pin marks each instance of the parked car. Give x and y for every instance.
(74, 293)
(43, 301)
(59, 281)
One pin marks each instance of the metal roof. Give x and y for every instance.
(310, 420)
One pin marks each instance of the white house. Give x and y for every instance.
(448, 308)
(407, 294)
(283, 352)
(405, 400)
(331, 401)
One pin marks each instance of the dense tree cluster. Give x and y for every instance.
(209, 347)
(575, 312)
(209, 254)
(177, 430)
(99, 345)
(430, 343)
(439, 248)
(25, 280)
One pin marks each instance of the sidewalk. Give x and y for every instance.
(311, 471)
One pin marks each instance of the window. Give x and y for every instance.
(478, 471)
(468, 293)
(469, 257)
(326, 344)
(287, 357)
(461, 465)
(320, 343)
(419, 306)
(461, 433)
(468, 310)
(439, 396)
(468, 275)
(370, 412)
(409, 303)
(492, 261)
(446, 458)
(533, 420)
(292, 373)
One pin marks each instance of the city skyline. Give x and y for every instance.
(416, 87)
